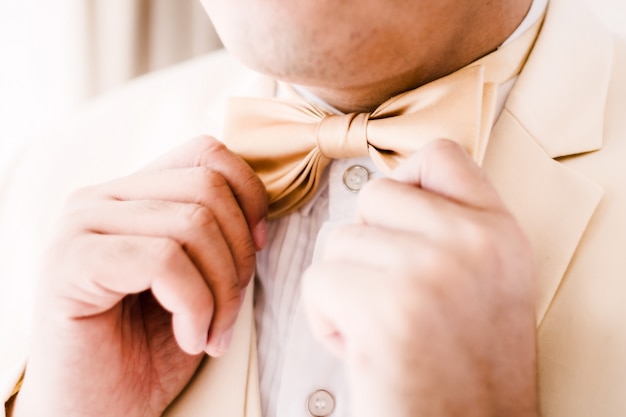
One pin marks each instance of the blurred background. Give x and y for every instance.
(56, 54)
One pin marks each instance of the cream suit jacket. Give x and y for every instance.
(557, 155)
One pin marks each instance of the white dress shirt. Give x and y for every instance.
(296, 372)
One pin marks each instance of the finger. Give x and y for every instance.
(404, 207)
(201, 186)
(248, 189)
(198, 231)
(342, 302)
(384, 249)
(443, 167)
(106, 268)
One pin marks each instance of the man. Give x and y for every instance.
(428, 299)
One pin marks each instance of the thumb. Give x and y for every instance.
(443, 167)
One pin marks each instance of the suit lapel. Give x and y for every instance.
(225, 386)
(552, 203)
(566, 77)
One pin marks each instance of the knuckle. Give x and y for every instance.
(77, 218)
(440, 150)
(370, 194)
(439, 153)
(207, 147)
(233, 295)
(209, 180)
(196, 217)
(242, 238)
(72, 222)
(253, 182)
(229, 295)
(207, 183)
(246, 266)
(166, 252)
(79, 196)
(442, 145)
(202, 304)
(244, 245)
(478, 238)
(257, 188)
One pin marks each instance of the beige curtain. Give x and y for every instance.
(117, 40)
(58, 53)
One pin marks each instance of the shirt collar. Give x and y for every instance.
(537, 9)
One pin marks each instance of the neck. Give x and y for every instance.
(459, 42)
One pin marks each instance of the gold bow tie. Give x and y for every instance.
(289, 143)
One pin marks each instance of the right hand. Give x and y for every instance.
(145, 274)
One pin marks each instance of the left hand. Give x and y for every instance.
(429, 297)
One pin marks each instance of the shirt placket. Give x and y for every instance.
(313, 381)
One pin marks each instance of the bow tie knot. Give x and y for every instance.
(343, 136)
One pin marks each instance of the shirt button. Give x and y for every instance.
(320, 404)
(355, 177)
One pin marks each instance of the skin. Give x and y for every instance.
(355, 54)
(428, 298)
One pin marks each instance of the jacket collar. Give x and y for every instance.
(566, 77)
(227, 386)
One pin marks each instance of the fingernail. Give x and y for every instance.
(259, 234)
(224, 343)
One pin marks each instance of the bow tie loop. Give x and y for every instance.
(343, 136)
